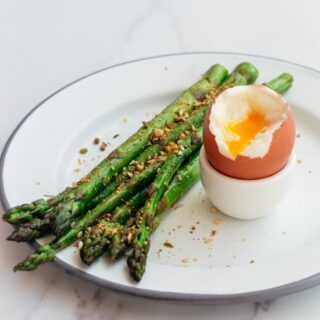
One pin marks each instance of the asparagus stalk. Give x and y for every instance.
(244, 72)
(62, 221)
(119, 236)
(97, 238)
(47, 252)
(39, 227)
(27, 212)
(146, 215)
(281, 84)
(131, 148)
(103, 173)
(114, 233)
(184, 179)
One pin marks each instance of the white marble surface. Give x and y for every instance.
(46, 44)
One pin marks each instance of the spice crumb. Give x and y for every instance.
(213, 233)
(125, 120)
(298, 135)
(96, 140)
(252, 261)
(83, 150)
(185, 260)
(38, 183)
(195, 259)
(284, 232)
(179, 226)
(116, 136)
(76, 170)
(299, 161)
(79, 244)
(177, 206)
(168, 244)
(218, 222)
(243, 239)
(213, 210)
(103, 146)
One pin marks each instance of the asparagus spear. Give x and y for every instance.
(112, 230)
(97, 238)
(39, 227)
(183, 180)
(63, 221)
(27, 212)
(69, 209)
(118, 233)
(181, 183)
(102, 174)
(131, 148)
(47, 252)
(141, 241)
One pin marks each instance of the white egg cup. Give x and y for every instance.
(245, 199)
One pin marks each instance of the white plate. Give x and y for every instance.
(41, 157)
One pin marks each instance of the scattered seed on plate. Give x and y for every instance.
(185, 260)
(168, 244)
(96, 140)
(213, 210)
(76, 170)
(213, 233)
(83, 150)
(177, 206)
(218, 222)
(299, 161)
(115, 136)
(252, 261)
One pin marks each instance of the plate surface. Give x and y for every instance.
(244, 260)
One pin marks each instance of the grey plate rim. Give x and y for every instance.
(253, 296)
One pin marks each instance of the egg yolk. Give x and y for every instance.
(245, 131)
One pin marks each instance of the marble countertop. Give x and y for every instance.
(46, 44)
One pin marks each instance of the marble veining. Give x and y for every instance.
(45, 45)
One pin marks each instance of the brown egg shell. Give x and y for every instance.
(257, 168)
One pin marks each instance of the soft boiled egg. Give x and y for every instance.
(249, 132)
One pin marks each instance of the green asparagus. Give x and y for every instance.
(47, 252)
(131, 148)
(97, 238)
(103, 173)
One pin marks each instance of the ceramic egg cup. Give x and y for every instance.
(245, 199)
